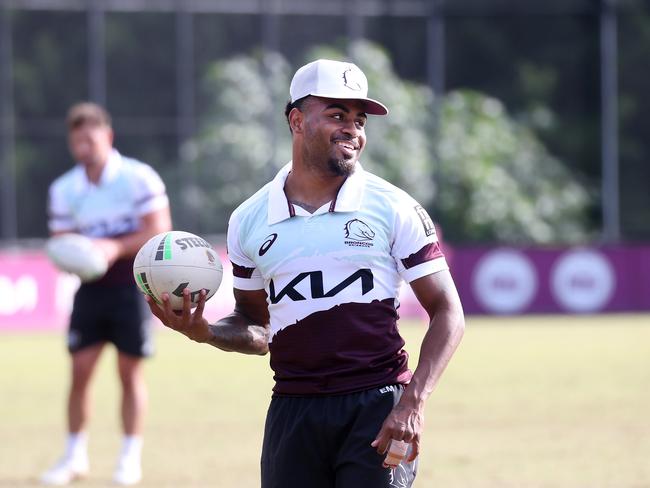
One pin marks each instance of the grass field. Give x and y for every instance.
(526, 402)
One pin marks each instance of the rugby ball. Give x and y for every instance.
(75, 253)
(173, 261)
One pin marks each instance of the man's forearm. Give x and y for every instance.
(439, 344)
(235, 333)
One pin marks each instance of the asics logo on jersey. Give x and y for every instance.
(270, 239)
(317, 288)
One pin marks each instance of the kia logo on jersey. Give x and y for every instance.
(270, 239)
(317, 286)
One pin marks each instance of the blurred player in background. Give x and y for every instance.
(120, 203)
(318, 257)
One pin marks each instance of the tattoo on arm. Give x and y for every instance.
(235, 337)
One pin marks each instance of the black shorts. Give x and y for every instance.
(324, 442)
(117, 314)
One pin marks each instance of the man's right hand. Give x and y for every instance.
(188, 323)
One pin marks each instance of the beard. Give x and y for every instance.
(329, 164)
(341, 167)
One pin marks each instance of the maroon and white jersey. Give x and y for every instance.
(332, 280)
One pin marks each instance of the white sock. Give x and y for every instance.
(131, 447)
(76, 445)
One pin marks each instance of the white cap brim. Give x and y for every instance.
(372, 107)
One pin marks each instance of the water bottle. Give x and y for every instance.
(396, 453)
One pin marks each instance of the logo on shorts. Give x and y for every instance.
(386, 389)
(358, 233)
(270, 239)
(399, 477)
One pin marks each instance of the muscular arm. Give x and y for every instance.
(437, 294)
(245, 330)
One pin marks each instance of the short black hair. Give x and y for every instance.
(291, 105)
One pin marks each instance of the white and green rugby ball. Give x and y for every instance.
(173, 261)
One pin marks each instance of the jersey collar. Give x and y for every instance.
(348, 198)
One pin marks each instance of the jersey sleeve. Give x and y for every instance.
(416, 249)
(60, 215)
(151, 191)
(245, 274)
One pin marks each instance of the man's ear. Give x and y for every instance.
(296, 119)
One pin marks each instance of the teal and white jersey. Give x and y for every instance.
(127, 190)
(332, 280)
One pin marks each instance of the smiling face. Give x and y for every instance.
(330, 134)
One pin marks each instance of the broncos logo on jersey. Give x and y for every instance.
(357, 230)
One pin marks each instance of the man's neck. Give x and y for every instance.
(310, 190)
(94, 171)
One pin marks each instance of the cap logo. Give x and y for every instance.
(349, 80)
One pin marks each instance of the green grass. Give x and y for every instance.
(526, 402)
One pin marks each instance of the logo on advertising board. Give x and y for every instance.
(582, 281)
(505, 281)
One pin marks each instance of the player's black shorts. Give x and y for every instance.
(324, 442)
(117, 314)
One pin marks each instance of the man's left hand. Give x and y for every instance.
(402, 424)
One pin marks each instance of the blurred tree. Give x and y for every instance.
(634, 77)
(48, 69)
(236, 150)
(496, 181)
(539, 61)
(543, 68)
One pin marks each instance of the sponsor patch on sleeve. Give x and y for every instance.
(429, 228)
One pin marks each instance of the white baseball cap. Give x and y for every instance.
(334, 79)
